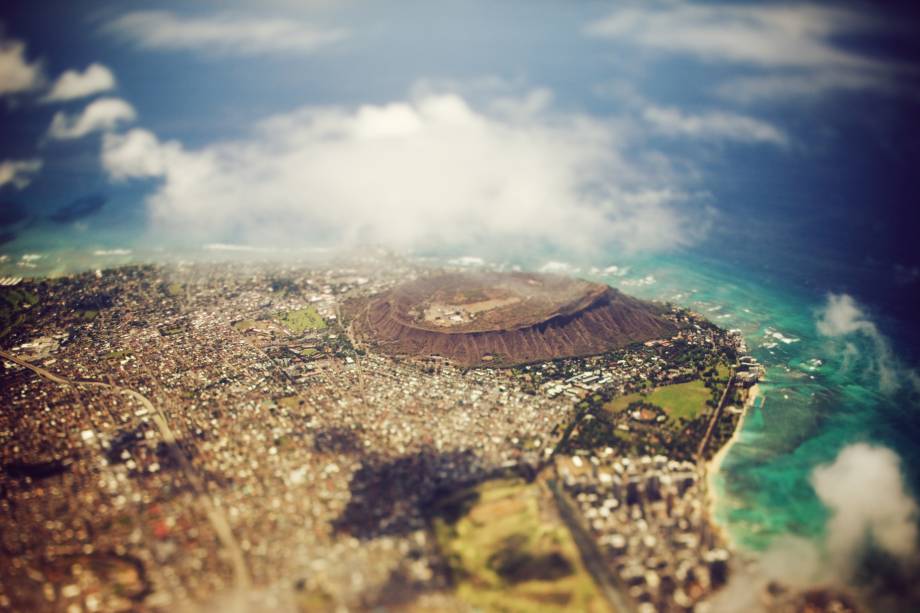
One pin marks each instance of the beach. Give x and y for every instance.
(714, 465)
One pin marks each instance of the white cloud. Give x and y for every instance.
(17, 74)
(783, 35)
(716, 125)
(428, 172)
(791, 49)
(559, 268)
(791, 562)
(842, 316)
(802, 85)
(102, 114)
(864, 491)
(869, 508)
(18, 173)
(467, 260)
(138, 154)
(225, 34)
(73, 84)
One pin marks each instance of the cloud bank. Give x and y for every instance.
(792, 50)
(17, 74)
(99, 115)
(430, 172)
(74, 84)
(841, 316)
(18, 173)
(222, 34)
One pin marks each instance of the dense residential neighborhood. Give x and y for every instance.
(212, 432)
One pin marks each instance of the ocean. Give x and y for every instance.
(821, 393)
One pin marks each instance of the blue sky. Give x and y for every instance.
(572, 127)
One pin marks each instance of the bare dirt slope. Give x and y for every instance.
(503, 319)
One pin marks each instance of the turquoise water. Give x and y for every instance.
(820, 395)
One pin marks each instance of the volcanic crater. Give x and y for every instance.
(504, 319)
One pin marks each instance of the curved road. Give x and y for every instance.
(214, 513)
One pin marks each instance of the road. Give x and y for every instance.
(599, 570)
(716, 414)
(215, 515)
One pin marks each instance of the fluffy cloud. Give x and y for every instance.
(228, 34)
(102, 114)
(138, 154)
(864, 492)
(18, 173)
(717, 125)
(841, 316)
(792, 49)
(74, 84)
(869, 509)
(429, 172)
(17, 74)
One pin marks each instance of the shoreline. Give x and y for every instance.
(714, 465)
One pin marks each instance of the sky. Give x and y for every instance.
(580, 129)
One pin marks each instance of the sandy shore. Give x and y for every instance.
(714, 465)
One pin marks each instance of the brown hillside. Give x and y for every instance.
(502, 319)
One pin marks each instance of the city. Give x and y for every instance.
(213, 433)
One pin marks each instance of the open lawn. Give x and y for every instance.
(301, 320)
(685, 400)
(509, 551)
(13, 303)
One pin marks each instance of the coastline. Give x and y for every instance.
(714, 465)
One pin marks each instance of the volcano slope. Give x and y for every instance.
(504, 319)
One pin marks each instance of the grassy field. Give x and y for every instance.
(685, 400)
(13, 303)
(245, 325)
(301, 320)
(509, 551)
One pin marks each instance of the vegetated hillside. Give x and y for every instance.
(607, 321)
